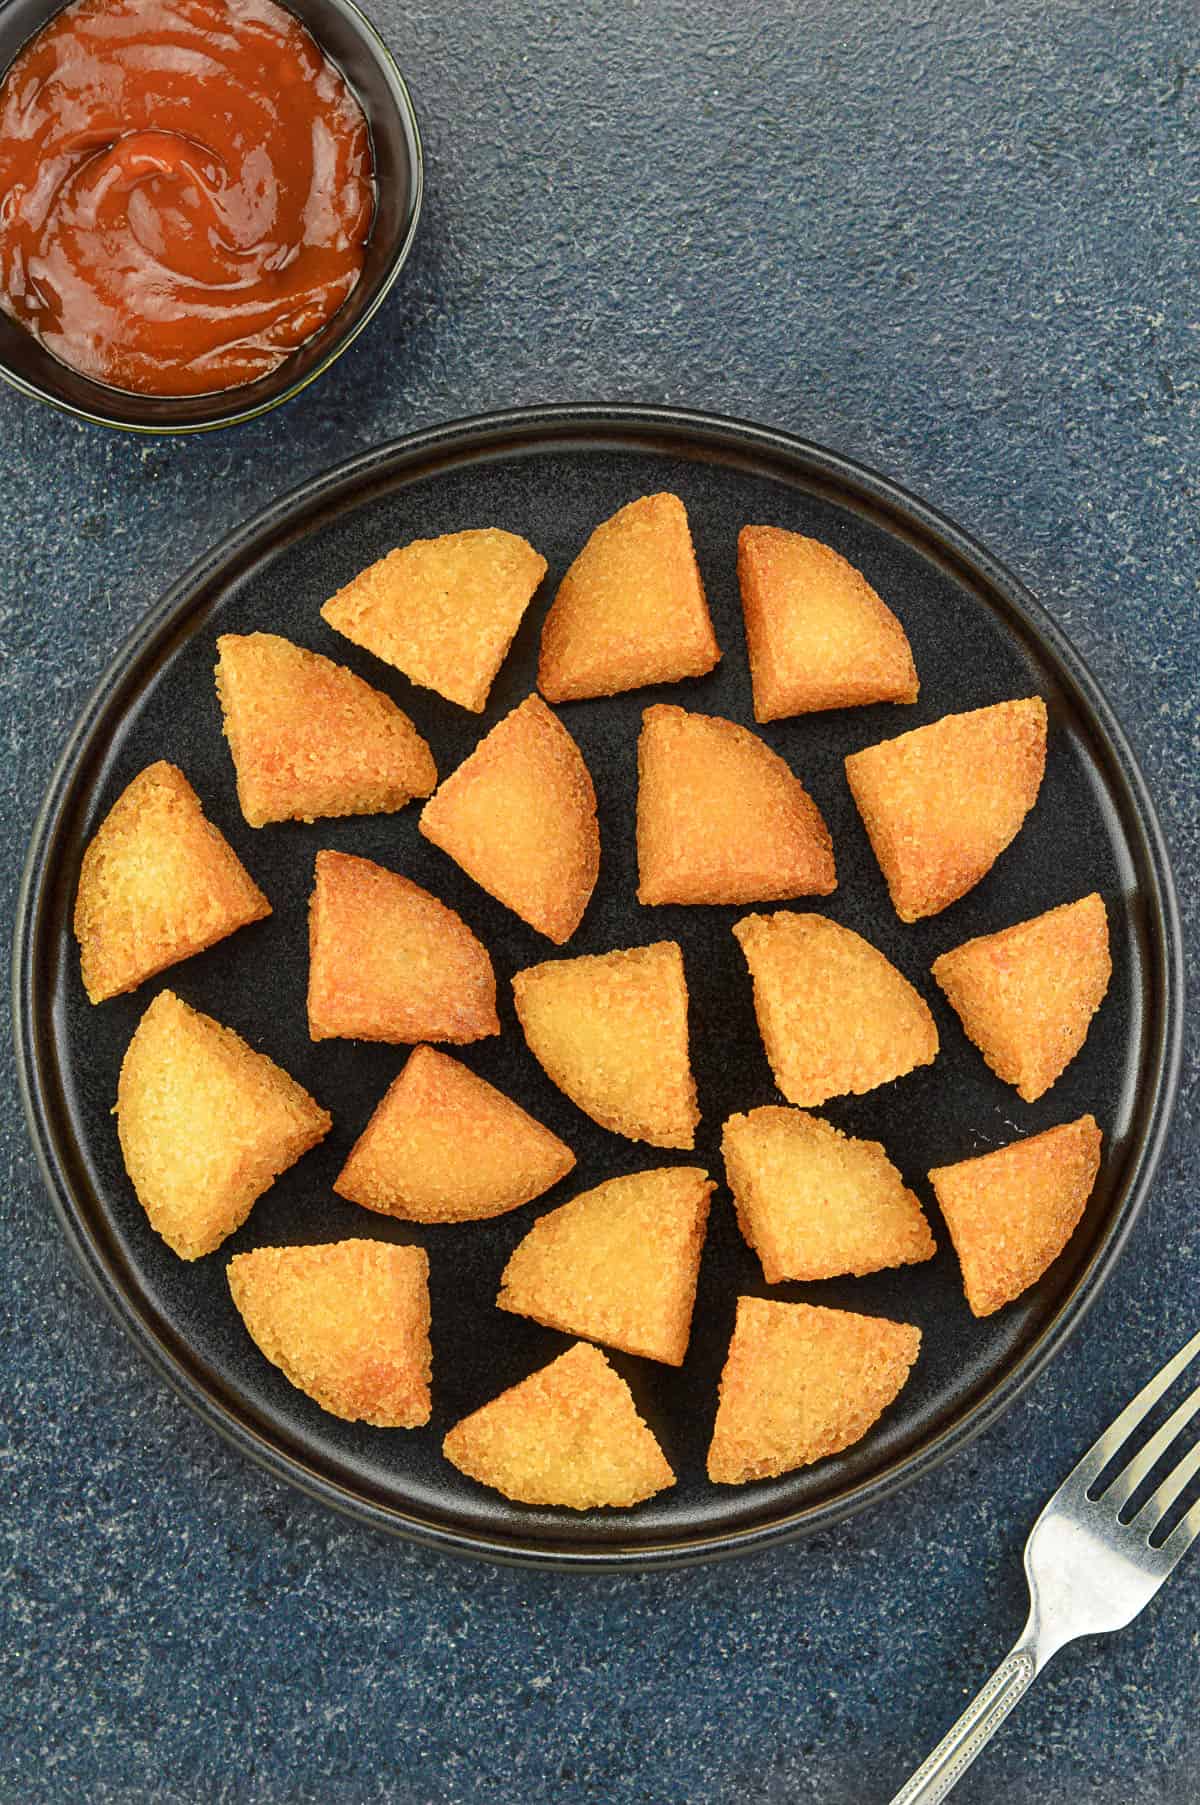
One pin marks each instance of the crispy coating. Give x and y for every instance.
(1026, 996)
(445, 1146)
(941, 803)
(813, 1203)
(568, 1435)
(158, 883)
(611, 1030)
(721, 818)
(444, 611)
(347, 1323)
(388, 961)
(631, 608)
(1010, 1213)
(617, 1264)
(817, 634)
(309, 738)
(206, 1124)
(802, 1382)
(519, 816)
(835, 1015)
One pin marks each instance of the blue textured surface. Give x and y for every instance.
(959, 244)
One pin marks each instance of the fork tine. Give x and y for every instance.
(1130, 1477)
(1163, 1497)
(1184, 1533)
(1119, 1431)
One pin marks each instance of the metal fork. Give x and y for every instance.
(1089, 1573)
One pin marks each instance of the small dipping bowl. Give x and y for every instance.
(352, 42)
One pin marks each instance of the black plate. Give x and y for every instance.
(552, 474)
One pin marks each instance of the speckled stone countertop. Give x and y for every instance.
(959, 243)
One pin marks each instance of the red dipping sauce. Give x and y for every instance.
(186, 191)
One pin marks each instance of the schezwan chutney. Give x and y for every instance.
(186, 191)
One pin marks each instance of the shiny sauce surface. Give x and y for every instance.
(186, 191)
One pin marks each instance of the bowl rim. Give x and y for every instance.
(239, 416)
(466, 438)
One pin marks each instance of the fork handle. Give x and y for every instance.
(977, 1725)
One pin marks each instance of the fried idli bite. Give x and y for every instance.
(941, 803)
(568, 1435)
(836, 1017)
(617, 1264)
(206, 1124)
(444, 611)
(1026, 995)
(347, 1323)
(388, 961)
(631, 608)
(721, 818)
(801, 1383)
(158, 882)
(444, 1145)
(611, 1030)
(817, 633)
(519, 816)
(814, 1203)
(1011, 1212)
(309, 738)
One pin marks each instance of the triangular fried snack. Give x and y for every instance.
(941, 803)
(618, 1263)
(1026, 996)
(568, 1435)
(347, 1323)
(721, 818)
(444, 611)
(158, 883)
(445, 1146)
(611, 1030)
(817, 634)
(1011, 1212)
(801, 1383)
(388, 961)
(631, 608)
(309, 738)
(206, 1124)
(835, 1015)
(814, 1203)
(519, 816)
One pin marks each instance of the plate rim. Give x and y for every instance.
(482, 433)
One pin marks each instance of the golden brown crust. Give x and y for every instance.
(1026, 995)
(631, 608)
(618, 1263)
(801, 1383)
(444, 611)
(1011, 1212)
(941, 803)
(519, 816)
(388, 961)
(568, 1435)
(158, 883)
(721, 818)
(835, 1015)
(445, 1146)
(611, 1030)
(817, 633)
(309, 738)
(347, 1323)
(814, 1203)
(206, 1124)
